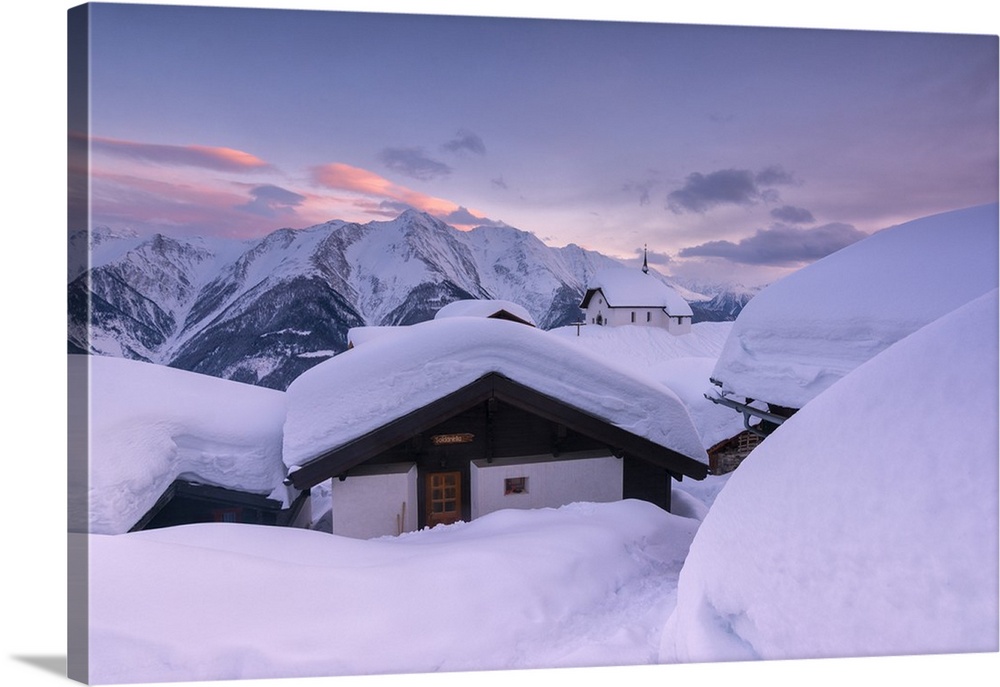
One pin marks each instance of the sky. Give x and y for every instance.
(735, 151)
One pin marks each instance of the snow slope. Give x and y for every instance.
(151, 424)
(582, 585)
(641, 347)
(867, 523)
(804, 332)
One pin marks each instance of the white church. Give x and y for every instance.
(622, 296)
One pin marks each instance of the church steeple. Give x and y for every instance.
(645, 265)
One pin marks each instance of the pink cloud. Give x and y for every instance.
(342, 177)
(172, 199)
(189, 207)
(207, 157)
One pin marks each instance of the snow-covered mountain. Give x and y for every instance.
(264, 311)
(724, 306)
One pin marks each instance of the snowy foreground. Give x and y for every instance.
(866, 525)
(582, 585)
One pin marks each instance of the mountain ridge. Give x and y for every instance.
(263, 311)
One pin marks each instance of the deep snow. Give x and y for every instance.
(878, 540)
(867, 523)
(484, 308)
(844, 537)
(582, 585)
(151, 424)
(799, 335)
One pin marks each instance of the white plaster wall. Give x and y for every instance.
(551, 483)
(661, 319)
(616, 317)
(367, 505)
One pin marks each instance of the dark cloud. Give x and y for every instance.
(702, 192)
(414, 162)
(720, 118)
(465, 141)
(654, 258)
(775, 175)
(793, 215)
(642, 188)
(781, 245)
(394, 207)
(269, 200)
(463, 217)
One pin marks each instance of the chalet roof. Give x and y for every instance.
(441, 364)
(497, 309)
(626, 288)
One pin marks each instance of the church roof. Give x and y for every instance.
(627, 288)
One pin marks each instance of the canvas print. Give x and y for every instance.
(404, 344)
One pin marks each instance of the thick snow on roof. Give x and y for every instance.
(483, 308)
(867, 523)
(624, 288)
(360, 390)
(151, 424)
(689, 378)
(802, 333)
(640, 347)
(357, 336)
(683, 363)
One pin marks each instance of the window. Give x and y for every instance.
(515, 485)
(227, 514)
(633, 316)
(649, 316)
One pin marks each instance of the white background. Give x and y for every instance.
(33, 513)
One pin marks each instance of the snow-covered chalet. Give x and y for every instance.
(454, 418)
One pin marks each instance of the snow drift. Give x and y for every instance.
(582, 585)
(804, 332)
(151, 424)
(867, 523)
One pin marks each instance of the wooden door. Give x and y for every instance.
(443, 498)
